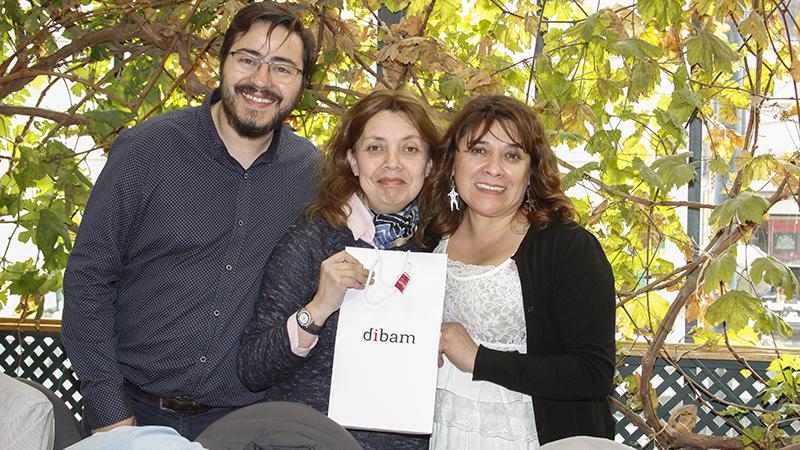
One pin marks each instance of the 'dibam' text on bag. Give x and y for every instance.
(378, 335)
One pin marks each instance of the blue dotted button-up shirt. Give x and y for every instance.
(168, 261)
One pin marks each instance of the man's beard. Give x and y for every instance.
(248, 126)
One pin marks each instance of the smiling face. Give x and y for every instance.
(492, 175)
(255, 103)
(391, 162)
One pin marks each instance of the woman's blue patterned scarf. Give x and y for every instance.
(395, 229)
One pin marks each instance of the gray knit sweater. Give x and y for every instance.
(265, 359)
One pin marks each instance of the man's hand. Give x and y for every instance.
(130, 421)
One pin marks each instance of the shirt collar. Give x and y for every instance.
(360, 220)
(213, 143)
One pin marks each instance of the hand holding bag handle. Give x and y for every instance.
(399, 285)
(337, 273)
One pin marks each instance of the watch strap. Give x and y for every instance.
(310, 326)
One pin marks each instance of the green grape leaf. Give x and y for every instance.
(202, 18)
(98, 53)
(635, 48)
(644, 78)
(736, 308)
(790, 362)
(733, 411)
(594, 25)
(647, 174)
(710, 52)
(718, 165)
(663, 12)
(719, 269)
(309, 100)
(603, 140)
(451, 87)
(674, 170)
(774, 272)
(27, 283)
(396, 5)
(669, 123)
(746, 207)
(49, 228)
(769, 322)
(103, 124)
(641, 315)
(753, 26)
(683, 103)
(572, 178)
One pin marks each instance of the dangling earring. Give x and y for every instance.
(528, 199)
(453, 195)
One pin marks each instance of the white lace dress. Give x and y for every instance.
(487, 300)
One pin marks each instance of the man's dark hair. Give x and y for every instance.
(275, 15)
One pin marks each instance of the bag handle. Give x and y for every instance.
(399, 285)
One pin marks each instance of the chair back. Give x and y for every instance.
(276, 425)
(68, 429)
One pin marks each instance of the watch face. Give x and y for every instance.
(304, 318)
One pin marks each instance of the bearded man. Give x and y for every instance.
(167, 264)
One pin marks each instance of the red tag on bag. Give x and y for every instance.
(402, 282)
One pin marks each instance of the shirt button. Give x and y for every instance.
(202, 359)
(228, 267)
(216, 313)
(245, 175)
(241, 223)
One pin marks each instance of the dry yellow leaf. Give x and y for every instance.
(392, 72)
(346, 44)
(485, 47)
(617, 25)
(688, 251)
(683, 419)
(672, 43)
(729, 115)
(787, 113)
(598, 213)
(692, 307)
(575, 118)
(531, 24)
(477, 79)
(408, 26)
(794, 69)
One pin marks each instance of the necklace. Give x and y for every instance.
(399, 285)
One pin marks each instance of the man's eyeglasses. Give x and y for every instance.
(279, 71)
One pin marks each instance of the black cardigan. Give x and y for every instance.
(569, 301)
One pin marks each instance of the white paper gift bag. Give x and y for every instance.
(384, 364)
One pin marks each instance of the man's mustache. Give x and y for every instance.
(263, 92)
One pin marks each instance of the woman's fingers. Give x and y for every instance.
(347, 275)
(343, 261)
(443, 336)
(337, 273)
(456, 343)
(343, 271)
(343, 257)
(352, 279)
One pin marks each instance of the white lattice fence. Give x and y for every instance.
(39, 356)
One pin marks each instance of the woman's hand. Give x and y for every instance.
(337, 273)
(459, 347)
